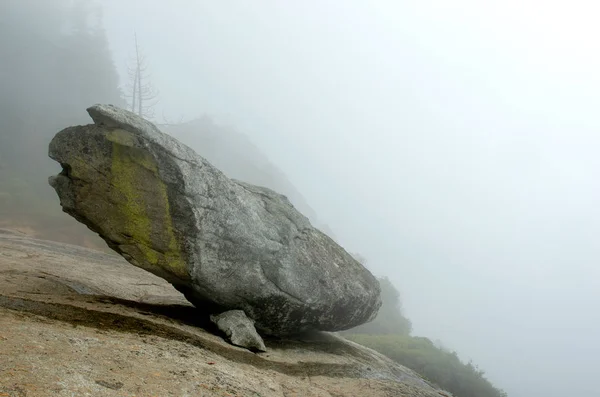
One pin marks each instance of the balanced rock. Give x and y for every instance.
(223, 243)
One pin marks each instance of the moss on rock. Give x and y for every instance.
(143, 206)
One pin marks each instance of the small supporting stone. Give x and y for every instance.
(239, 330)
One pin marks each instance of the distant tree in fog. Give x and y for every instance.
(390, 319)
(143, 96)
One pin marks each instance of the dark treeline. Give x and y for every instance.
(55, 63)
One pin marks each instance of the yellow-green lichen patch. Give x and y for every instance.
(141, 206)
(122, 137)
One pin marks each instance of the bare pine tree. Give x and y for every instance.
(143, 95)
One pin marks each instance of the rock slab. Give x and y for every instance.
(78, 322)
(225, 244)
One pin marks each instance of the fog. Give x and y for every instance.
(454, 145)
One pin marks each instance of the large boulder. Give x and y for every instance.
(223, 243)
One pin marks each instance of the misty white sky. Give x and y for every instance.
(452, 143)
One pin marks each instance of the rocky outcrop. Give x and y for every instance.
(223, 243)
(77, 322)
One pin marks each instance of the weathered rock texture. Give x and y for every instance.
(239, 329)
(77, 322)
(223, 243)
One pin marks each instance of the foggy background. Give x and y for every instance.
(454, 145)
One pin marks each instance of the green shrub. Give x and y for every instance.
(434, 363)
